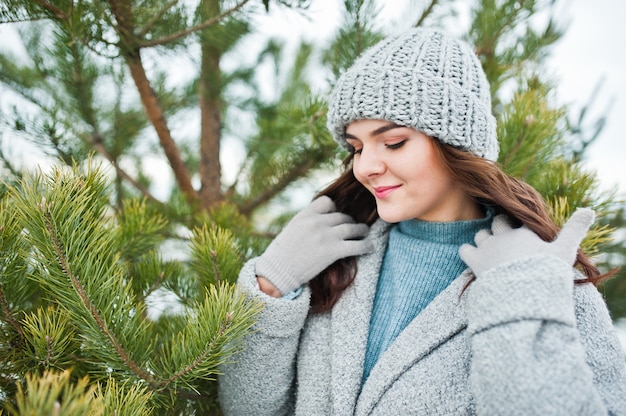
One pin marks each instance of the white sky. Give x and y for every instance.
(593, 49)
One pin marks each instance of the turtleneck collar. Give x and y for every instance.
(452, 232)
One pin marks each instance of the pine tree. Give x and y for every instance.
(88, 251)
(76, 283)
(100, 78)
(614, 256)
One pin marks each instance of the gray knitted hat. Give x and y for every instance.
(422, 79)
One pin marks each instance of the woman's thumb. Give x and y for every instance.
(575, 229)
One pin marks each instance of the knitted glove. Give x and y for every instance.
(314, 239)
(503, 244)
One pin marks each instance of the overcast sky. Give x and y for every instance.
(592, 50)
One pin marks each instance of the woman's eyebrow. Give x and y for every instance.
(376, 132)
(385, 128)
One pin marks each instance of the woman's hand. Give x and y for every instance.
(314, 239)
(267, 287)
(503, 244)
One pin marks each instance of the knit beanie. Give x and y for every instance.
(422, 79)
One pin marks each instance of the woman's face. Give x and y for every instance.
(401, 168)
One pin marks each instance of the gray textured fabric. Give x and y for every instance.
(521, 340)
(422, 79)
(503, 243)
(314, 239)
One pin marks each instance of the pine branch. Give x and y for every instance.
(122, 11)
(8, 314)
(81, 85)
(58, 13)
(8, 165)
(53, 393)
(23, 20)
(20, 83)
(216, 252)
(49, 351)
(486, 43)
(225, 314)
(516, 145)
(298, 171)
(204, 355)
(150, 101)
(155, 285)
(157, 117)
(215, 264)
(86, 44)
(99, 147)
(426, 13)
(80, 290)
(152, 21)
(207, 23)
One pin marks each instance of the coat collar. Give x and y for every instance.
(350, 324)
(439, 321)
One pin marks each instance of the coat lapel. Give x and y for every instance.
(442, 319)
(350, 325)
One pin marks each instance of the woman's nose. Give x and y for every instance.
(369, 164)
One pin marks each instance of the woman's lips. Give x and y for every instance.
(382, 192)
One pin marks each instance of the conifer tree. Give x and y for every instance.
(87, 252)
(75, 289)
(614, 256)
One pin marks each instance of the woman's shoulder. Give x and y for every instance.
(589, 304)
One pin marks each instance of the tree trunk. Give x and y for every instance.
(209, 96)
(157, 118)
(128, 45)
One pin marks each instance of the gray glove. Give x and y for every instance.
(313, 240)
(503, 244)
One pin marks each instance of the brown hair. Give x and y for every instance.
(481, 179)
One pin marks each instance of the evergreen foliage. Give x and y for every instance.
(614, 256)
(74, 289)
(88, 254)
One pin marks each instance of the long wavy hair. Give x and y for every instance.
(481, 179)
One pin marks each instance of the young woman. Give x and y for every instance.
(424, 280)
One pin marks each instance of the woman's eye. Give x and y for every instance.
(395, 145)
(356, 151)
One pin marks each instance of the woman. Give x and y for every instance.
(424, 280)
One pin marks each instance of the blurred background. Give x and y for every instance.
(61, 105)
(149, 147)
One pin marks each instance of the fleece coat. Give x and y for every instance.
(521, 340)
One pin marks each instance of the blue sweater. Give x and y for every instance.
(421, 260)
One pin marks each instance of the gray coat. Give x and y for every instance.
(522, 340)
